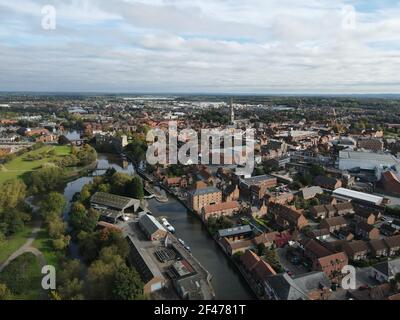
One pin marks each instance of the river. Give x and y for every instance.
(227, 282)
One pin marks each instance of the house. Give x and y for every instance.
(390, 182)
(380, 292)
(344, 208)
(327, 182)
(220, 209)
(237, 233)
(332, 265)
(259, 211)
(388, 230)
(378, 248)
(320, 234)
(240, 244)
(319, 212)
(283, 287)
(385, 271)
(333, 224)
(315, 284)
(323, 259)
(310, 286)
(356, 250)
(367, 231)
(286, 217)
(345, 234)
(311, 192)
(365, 216)
(231, 193)
(279, 197)
(180, 182)
(255, 188)
(393, 244)
(256, 267)
(153, 230)
(330, 211)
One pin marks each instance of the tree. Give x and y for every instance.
(46, 179)
(85, 193)
(261, 249)
(56, 227)
(5, 293)
(135, 188)
(12, 193)
(82, 219)
(317, 170)
(69, 270)
(119, 183)
(102, 272)
(53, 204)
(12, 221)
(127, 284)
(88, 247)
(2, 238)
(71, 290)
(61, 243)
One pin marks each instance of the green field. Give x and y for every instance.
(43, 243)
(20, 166)
(13, 243)
(23, 277)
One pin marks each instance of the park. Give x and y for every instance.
(31, 161)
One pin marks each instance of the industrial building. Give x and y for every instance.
(153, 230)
(347, 194)
(349, 160)
(102, 200)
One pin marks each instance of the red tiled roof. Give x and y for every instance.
(221, 207)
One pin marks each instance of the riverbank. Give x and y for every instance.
(239, 268)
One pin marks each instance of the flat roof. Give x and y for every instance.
(347, 193)
(234, 231)
(364, 155)
(257, 179)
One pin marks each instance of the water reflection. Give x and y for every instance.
(226, 280)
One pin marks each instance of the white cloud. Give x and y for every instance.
(199, 45)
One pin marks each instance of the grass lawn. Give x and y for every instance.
(14, 242)
(23, 277)
(18, 167)
(43, 243)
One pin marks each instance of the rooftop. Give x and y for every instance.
(347, 193)
(234, 231)
(113, 201)
(203, 191)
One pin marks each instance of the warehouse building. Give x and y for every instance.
(153, 230)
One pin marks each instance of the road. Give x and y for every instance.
(27, 246)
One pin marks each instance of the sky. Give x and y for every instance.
(201, 46)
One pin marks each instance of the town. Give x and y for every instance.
(78, 192)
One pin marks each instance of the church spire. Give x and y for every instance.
(232, 112)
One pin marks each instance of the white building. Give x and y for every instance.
(347, 194)
(364, 160)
